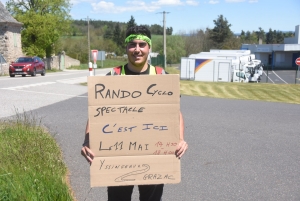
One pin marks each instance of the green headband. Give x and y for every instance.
(139, 37)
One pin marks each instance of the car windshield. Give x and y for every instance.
(24, 59)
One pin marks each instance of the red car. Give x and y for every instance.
(27, 66)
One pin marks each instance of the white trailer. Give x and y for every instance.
(210, 69)
(238, 59)
(187, 69)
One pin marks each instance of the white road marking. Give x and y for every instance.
(36, 92)
(279, 77)
(268, 77)
(76, 80)
(28, 86)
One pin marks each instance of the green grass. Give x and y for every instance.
(31, 165)
(286, 93)
(108, 63)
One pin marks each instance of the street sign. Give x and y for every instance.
(298, 61)
(101, 56)
(95, 55)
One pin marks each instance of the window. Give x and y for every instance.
(240, 74)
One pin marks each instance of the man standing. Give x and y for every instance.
(138, 44)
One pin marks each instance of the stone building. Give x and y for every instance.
(11, 47)
(10, 36)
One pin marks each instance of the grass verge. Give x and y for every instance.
(286, 93)
(31, 165)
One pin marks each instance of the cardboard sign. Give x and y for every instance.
(134, 129)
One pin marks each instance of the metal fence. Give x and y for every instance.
(158, 61)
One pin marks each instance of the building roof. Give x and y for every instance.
(5, 17)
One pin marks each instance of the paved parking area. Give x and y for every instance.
(281, 77)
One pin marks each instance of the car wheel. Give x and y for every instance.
(43, 72)
(23, 75)
(11, 75)
(34, 72)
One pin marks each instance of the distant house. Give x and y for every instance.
(10, 36)
(278, 56)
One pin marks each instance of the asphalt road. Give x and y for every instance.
(238, 150)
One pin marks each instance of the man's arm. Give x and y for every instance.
(85, 150)
(182, 145)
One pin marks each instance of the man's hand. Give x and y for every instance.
(88, 154)
(181, 148)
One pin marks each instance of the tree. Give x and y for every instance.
(221, 32)
(279, 37)
(117, 36)
(175, 49)
(197, 41)
(261, 34)
(131, 22)
(169, 30)
(43, 23)
(247, 37)
(270, 37)
(108, 34)
(156, 29)
(243, 37)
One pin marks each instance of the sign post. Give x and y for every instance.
(91, 68)
(95, 55)
(297, 68)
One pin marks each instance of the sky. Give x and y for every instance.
(185, 16)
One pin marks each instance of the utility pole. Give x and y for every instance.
(88, 21)
(165, 37)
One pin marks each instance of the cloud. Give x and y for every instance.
(234, 1)
(133, 5)
(167, 2)
(213, 2)
(74, 2)
(192, 3)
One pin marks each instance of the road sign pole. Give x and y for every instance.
(95, 55)
(297, 69)
(297, 61)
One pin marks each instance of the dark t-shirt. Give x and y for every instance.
(129, 72)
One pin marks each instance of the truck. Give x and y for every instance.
(210, 69)
(254, 70)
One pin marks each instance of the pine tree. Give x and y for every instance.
(221, 32)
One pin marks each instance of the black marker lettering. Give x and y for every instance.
(101, 163)
(99, 91)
